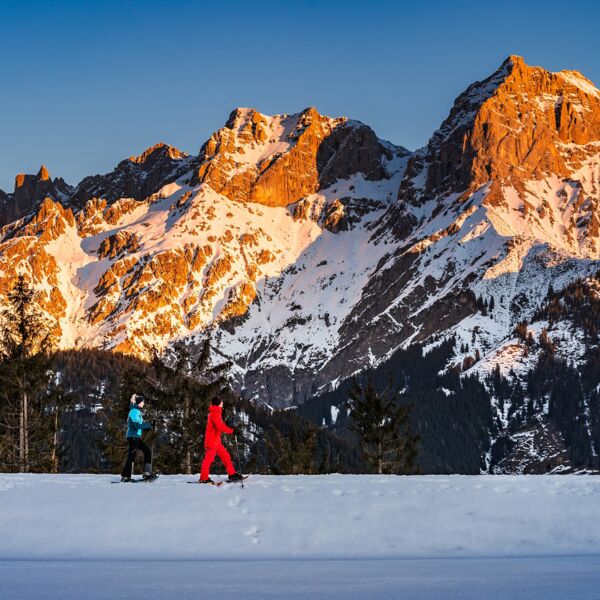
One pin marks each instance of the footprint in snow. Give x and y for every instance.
(235, 502)
(253, 533)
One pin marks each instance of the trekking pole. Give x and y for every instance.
(237, 447)
(152, 453)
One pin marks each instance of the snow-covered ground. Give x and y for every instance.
(78, 517)
(549, 578)
(337, 536)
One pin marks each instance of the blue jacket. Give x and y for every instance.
(135, 423)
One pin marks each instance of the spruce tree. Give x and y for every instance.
(291, 452)
(57, 401)
(382, 425)
(24, 377)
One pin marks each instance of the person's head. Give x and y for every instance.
(138, 400)
(216, 402)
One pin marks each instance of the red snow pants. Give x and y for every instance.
(209, 457)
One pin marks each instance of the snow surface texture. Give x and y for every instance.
(549, 578)
(68, 517)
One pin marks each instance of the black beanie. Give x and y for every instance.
(137, 399)
(216, 401)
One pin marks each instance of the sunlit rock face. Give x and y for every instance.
(29, 192)
(279, 160)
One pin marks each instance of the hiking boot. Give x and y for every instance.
(235, 477)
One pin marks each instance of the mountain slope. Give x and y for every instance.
(495, 205)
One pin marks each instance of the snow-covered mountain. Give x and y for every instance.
(311, 249)
(501, 202)
(264, 238)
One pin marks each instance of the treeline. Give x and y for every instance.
(556, 391)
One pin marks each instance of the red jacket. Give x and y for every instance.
(214, 427)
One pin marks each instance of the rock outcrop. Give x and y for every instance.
(136, 177)
(520, 123)
(278, 160)
(29, 192)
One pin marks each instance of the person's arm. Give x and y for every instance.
(138, 422)
(220, 424)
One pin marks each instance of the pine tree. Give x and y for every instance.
(292, 452)
(24, 373)
(521, 331)
(382, 425)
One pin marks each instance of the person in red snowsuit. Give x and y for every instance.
(213, 445)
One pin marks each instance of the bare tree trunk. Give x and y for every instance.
(379, 458)
(25, 432)
(21, 436)
(188, 455)
(54, 454)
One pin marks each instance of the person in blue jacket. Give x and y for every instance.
(135, 426)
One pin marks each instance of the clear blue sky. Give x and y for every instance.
(85, 84)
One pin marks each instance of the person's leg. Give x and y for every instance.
(130, 458)
(224, 456)
(147, 456)
(209, 457)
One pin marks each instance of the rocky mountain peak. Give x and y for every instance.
(43, 174)
(157, 152)
(521, 123)
(278, 160)
(23, 179)
(29, 192)
(135, 177)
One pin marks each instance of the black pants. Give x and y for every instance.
(136, 444)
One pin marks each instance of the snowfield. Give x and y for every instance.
(548, 578)
(75, 517)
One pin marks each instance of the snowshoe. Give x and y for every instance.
(236, 477)
(209, 481)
